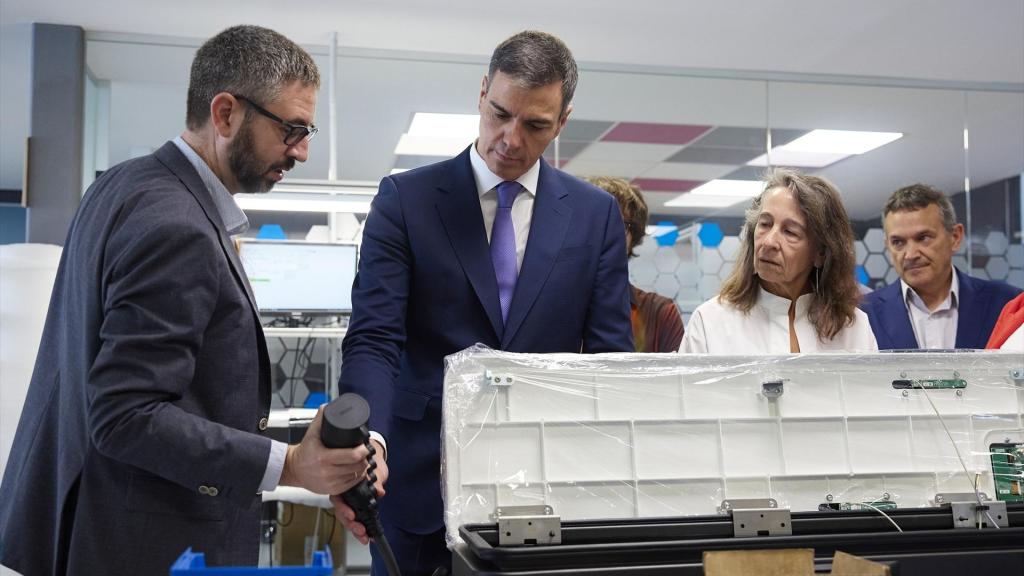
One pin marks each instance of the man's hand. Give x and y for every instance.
(346, 515)
(320, 469)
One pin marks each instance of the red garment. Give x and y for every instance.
(657, 325)
(1009, 320)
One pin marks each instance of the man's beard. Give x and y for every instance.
(246, 167)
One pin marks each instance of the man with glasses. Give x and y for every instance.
(143, 431)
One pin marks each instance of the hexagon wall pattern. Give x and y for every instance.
(692, 270)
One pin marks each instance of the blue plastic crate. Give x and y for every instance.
(194, 564)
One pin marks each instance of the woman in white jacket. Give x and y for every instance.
(793, 287)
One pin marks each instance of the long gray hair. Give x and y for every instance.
(834, 303)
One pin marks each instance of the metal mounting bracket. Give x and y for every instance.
(757, 517)
(972, 515)
(528, 525)
(772, 389)
(499, 378)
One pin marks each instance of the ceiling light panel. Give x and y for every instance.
(409, 145)
(797, 158)
(691, 200)
(294, 202)
(740, 188)
(841, 141)
(445, 126)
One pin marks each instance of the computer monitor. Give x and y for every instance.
(300, 278)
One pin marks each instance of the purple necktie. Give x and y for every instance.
(503, 245)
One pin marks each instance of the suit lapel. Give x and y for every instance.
(970, 310)
(176, 162)
(459, 209)
(548, 225)
(895, 320)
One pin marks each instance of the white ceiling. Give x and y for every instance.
(962, 40)
(935, 43)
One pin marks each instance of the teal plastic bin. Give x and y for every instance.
(194, 564)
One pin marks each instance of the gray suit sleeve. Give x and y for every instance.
(163, 270)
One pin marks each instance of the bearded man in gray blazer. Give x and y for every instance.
(143, 431)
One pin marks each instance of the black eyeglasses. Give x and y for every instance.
(295, 132)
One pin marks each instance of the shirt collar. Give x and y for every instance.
(487, 180)
(911, 298)
(779, 305)
(235, 221)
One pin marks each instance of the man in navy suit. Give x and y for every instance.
(143, 431)
(432, 279)
(934, 305)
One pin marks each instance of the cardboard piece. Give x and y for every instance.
(794, 562)
(844, 564)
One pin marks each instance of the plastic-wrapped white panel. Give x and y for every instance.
(643, 435)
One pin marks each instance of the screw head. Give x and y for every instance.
(906, 393)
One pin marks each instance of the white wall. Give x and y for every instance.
(143, 117)
(15, 101)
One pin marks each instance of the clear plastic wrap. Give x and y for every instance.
(648, 435)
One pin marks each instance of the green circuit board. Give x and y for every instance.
(1008, 471)
(930, 384)
(843, 506)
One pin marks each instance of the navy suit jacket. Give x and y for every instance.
(426, 288)
(151, 380)
(979, 303)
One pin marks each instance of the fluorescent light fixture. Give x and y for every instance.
(797, 158)
(741, 188)
(296, 202)
(819, 148)
(705, 201)
(845, 142)
(717, 194)
(334, 187)
(410, 145)
(454, 126)
(432, 134)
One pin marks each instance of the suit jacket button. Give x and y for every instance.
(213, 491)
(204, 490)
(263, 424)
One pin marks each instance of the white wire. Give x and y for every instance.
(974, 485)
(879, 510)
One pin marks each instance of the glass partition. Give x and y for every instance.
(676, 135)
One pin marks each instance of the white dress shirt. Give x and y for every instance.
(522, 207)
(933, 329)
(719, 328)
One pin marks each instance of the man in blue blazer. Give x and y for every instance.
(933, 305)
(432, 279)
(143, 430)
